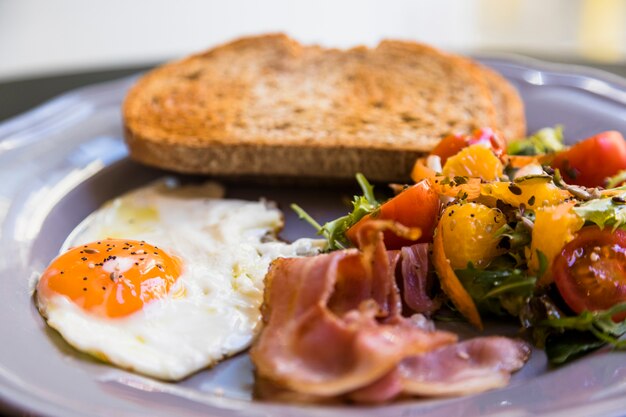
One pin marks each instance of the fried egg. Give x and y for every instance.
(165, 280)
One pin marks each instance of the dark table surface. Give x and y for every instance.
(21, 95)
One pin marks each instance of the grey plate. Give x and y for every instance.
(62, 160)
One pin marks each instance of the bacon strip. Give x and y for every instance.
(333, 324)
(468, 367)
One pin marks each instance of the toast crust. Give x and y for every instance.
(267, 105)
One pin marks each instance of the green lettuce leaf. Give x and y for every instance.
(546, 140)
(499, 290)
(335, 230)
(573, 336)
(604, 211)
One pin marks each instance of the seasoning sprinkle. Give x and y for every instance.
(514, 188)
(92, 251)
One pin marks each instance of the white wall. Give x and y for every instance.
(44, 36)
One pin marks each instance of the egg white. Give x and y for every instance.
(212, 311)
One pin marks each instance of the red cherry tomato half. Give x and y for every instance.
(453, 144)
(416, 206)
(590, 271)
(592, 161)
(449, 146)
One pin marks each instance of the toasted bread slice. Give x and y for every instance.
(270, 106)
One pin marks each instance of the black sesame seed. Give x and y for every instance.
(84, 289)
(83, 259)
(515, 189)
(62, 272)
(84, 278)
(472, 215)
(91, 251)
(103, 288)
(531, 201)
(618, 200)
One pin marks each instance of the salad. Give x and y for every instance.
(532, 231)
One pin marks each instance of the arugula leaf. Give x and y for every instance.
(335, 230)
(573, 336)
(546, 140)
(564, 347)
(516, 238)
(501, 289)
(604, 211)
(543, 263)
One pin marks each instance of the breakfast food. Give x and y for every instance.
(346, 336)
(268, 106)
(165, 280)
(507, 236)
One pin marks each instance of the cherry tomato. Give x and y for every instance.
(590, 271)
(453, 144)
(416, 206)
(592, 161)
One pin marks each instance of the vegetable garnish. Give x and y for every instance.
(335, 230)
(529, 233)
(609, 211)
(546, 140)
(569, 337)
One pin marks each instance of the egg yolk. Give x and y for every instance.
(112, 277)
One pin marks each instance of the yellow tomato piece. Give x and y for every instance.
(470, 234)
(555, 226)
(532, 192)
(421, 171)
(475, 161)
(450, 283)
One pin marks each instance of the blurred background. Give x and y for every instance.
(89, 41)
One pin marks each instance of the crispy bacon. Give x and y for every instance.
(466, 367)
(333, 324)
